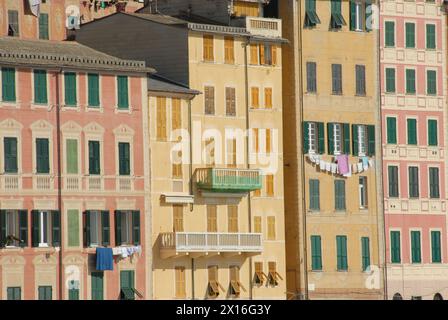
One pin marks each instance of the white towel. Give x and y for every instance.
(35, 7)
(360, 167)
(328, 166)
(334, 168)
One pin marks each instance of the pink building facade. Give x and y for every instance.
(413, 86)
(72, 172)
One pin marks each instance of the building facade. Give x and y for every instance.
(413, 103)
(72, 172)
(333, 209)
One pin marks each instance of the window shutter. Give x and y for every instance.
(94, 157)
(262, 57)
(346, 134)
(311, 76)
(35, 228)
(136, 227)
(23, 228)
(70, 88)
(271, 228)
(124, 158)
(56, 228)
(371, 140)
(8, 84)
(86, 219)
(316, 259)
(42, 156)
(274, 54)
(368, 11)
(365, 253)
(40, 86)
(2, 228)
(391, 130)
(412, 131)
(410, 81)
(72, 156)
(118, 217)
(390, 34)
(390, 80)
(10, 294)
(73, 227)
(435, 247)
(10, 151)
(321, 137)
(123, 96)
(395, 247)
(432, 133)
(355, 139)
(431, 82)
(430, 36)
(352, 15)
(97, 285)
(306, 138)
(330, 134)
(43, 26)
(73, 294)
(410, 35)
(94, 90)
(105, 227)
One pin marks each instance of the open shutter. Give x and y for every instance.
(371, 140)
(2, 228)
(320, 138)
(368, 11)
(56, 228)
(136, 226)
(355, 139)
(330, 134)
(35, 228)
(352, 15)
(23, 227)
(306, 139)
(346, 134)
(86, 223)
(118, 227)
(105, 227)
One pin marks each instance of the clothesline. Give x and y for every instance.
(341, 165)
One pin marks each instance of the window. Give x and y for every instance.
(73, 227)
(268, 140)
(314, 195)
(93, 89)
(181, 292)
(43, 26)
(431, 82)
(231, 153)
(260, 276)
(70, 88)
(253, 53)
(268, 98)
(416, 247)
(357, 16)
(410, 35)
(210, 151)
(208, 49)
(127, 227)
(436, 251)
(212, 218)
(273, 276)
(271, 228)
(365, 248)
(177, 169)
(42, 156)
(209, 96)
(13, 23)
(97, 285)
(245, 9)
(124, 158)
(339, 194)
(178, 218)
(311, 17)
(14, 293)
(45, 292)
(412, 131)
(176, 114)
(390, 34)
(341, 250)
(410, 81)
(313, 137)
(337, 20)
(338, 138)
(73, 294)
(430, 36)
(72, 156)
(94, 158)
(255, 94)
(393, 181)
(268, 54)
(213, 283)
(40, 87)
(127, 285)
(229, 51)
(391, 124)
(434, 191)
(13, 228)
(316, 253)
(360, 80)
(235, 284)
(269, 185)
(122, 91)
(390, 80)
(257, 224)
(363, 137)
(8, 84)
(46, 228)
(336, 75)
(432, 132)
(311, 77)
(413, 182)
(232, 219)
(395, 247)
(161, 118)
(230, 102)
(10, 155)
(363, 195)
(96, 228)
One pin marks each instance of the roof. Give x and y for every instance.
(159, 18)
(49, 53)
(159, 84)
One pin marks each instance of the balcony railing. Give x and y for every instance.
(172, 244)
(228, 180)
(44, 182)
(10, 183)
(264, 27)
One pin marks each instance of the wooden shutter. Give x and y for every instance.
(341, 252)
(72, 156)
(8, 84)
(436, 247)
(255, 94)
(229, 52)
(311, 77)
(432, 132)
(70, 88)
(391, 130)
(118, 216)
(136, 227)
(94, 157)
(371, 140)
(93, 90)
(410, 35)
(212, 218)
(40, 86)
(208, 53)
(123, 95)
(253, 53)
(230, 102)
(161, 118)
(410, 81)
(213, 284)
(431, 82)
(42, 156)
(346, 137)
(268, 98)
(86, 228)
(10, 154)
(209, 100)
(316, 253)
(124, 158)
(180, 282)
(35, 231)
(320, 137)
(390, 80)
(314, 194)
(232, 218)
(105, 228)
(256, 141)
(73, 227)
(97, 280)
(274, 54)
(306, 137)
(73, 294)
(235, 284)
(412, 131)
(56, 228)
(339, 186)
(360, 80)
(23, 228)
(2, 228)
(365, 248)
(434, 189)
(259, 274)
(271, 228)
(178, 218)
(355, 140)
(257, 224)
(390, 33)
(393, 181)
(330, 136)
(413, 182)
(270, 185)
(416, 246)
(43, 26)
(395, 247)
(268, 141)
(430, 36)
(352, 15)
(176, 114)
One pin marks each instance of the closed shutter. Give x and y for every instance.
(123, 95)
(23, 228)
(262, 49)
(339, 186)
(208, 53)
(118, 216)
(212, 218)
(314, 194)
(72, 156)
(40, 86)
(346, 136)
(316, 253)
(35, 231)
(86, 228)
(393, 181)
(410, 35)
(430, 36)
(410, 81)
(56, 228)
(416, 247)
(229, 55)
(268, 98)
(320, 137)
(371, 140)
(178, 218)
(253, 53)
(271, 228)
(432, 133)
(255, 94)
(390, 34)
(180, 282)
(391, 130)
(431, 82)
(395, 246)
(97, 285)
(42, 156)
(43, 26)
(2, 228)
(232, 222)
(45, 292)
(8, 84)
(434, 192)
(355, 139)
(73, 227)
(352, 15)
(336, 71)
(360, 80)
(330, 136)
(274, 55)
(94, 157)
(124, 159)
(70, 88)
(306, 137)
(268, 141)
(94, 90)
(436, 252)
(257, 224)
(341, 248)
(105, 228)
(10, 152)
(412, 131)
(73, 294)
(368, 11)
(176, 114)
(127, 279)
(311, 85)
(390, 80)
(13, 23)
(161, 118)
(209, 100)
(14, 293)
(230, 102)
(365, 247)
(136, 227)
(270, 185)
(413, 182)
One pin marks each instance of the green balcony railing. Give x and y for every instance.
(228, 180)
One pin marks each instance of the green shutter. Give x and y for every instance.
(86, 228)
(393, 181)
(412, 131)
(123, 96)
(390, 80)
(43, 26)
(56, 228)
(2, 228)
(136, 227)
(94, 157)
(395, 246)
(124, 158)
(9, 84)
(346, 135)
(416, 247)
(72, 156)
(341, 248)
(94, 90)
(430, 36)
(73, 227)
(40, 86)
(390, 34)
(330, 136)
(321, 137)
(45, 292)
(70, 88)
(434, 189)
(436, 247)
(105, 227)
(339, 187)
(391, 130)
(431, 82)
(355, 139)
(410, 35)
(14, 293)
(306, 138)
(42, 156)
(413, 182)
(410, 81)
(23, 228)
(127, 280)
(352, 16)
(365, 244)
(35, 228)
(97, 285)
(118, 218)
(314, 194)
(371, 140)
(316, 253)
(10, 154)
(432, 132)
(311, 17)
(73, 294)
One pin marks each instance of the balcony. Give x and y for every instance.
(228, 180)
(264, 27)
(10, 183)
(198, 244)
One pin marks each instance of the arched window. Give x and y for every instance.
(438, 296)
(397, 296)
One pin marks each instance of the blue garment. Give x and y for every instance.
(104, 259)
(365, 162)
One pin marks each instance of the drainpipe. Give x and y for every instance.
(192, 280)
(190, 185)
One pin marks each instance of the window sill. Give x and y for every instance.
(123, 110)
(363, 95)
(94, 109)
(35, 105)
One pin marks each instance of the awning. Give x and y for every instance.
(178, 198)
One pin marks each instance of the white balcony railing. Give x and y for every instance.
(72, 183)
(95, 183)
(125, 184)
(10, 183)
(264, 27)
(43, 182)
